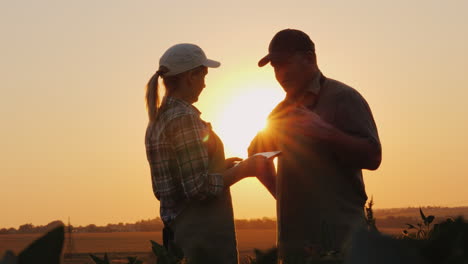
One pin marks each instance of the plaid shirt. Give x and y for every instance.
(178, 155)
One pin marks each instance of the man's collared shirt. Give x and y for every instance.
(176, 148)
(318, 194)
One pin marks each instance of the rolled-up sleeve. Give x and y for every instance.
(263, 141)
(187, 133)
(354, 116)
(266, 139)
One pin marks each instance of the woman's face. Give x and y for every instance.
(197, 79)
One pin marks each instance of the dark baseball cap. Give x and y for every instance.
(285, 43)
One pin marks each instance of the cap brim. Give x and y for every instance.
(274, 57)
(211, 63)
(264, 61)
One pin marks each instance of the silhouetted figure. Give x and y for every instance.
(190, 175)
(327, 135)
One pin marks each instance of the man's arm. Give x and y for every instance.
(356, 138)
(358, 152)
(268, 179)
(353, 139)
(265, 141)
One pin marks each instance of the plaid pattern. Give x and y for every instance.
(178, 155)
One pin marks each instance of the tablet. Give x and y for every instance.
(269, 154)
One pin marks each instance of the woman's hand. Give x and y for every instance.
(231, 162)
(254, 165)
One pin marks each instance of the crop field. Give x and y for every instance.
(123, 244)
(120, 245)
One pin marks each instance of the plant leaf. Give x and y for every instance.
(410, 226)
(158, 249)
(9, 258)
(161, 253)
(97, 260)
(46, 249)
(419, 234)
(134, 260)
(429, 219)
(422, 214)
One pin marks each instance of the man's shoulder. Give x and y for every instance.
(278, 109)
(338, 86)
(341, 90)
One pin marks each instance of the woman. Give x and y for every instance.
(190, 175)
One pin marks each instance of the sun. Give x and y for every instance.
(243, 116)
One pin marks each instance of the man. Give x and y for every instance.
(327, 135)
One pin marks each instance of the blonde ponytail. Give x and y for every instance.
(152, 97)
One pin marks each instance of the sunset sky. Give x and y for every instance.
(73, 116)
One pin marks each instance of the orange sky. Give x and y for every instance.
(73, 116)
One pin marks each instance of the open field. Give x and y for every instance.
(124, 244)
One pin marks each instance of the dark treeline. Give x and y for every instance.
(385, 218)
(437, 211)
(153, 225)
(149, 225)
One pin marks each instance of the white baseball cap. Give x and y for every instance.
(183, 57)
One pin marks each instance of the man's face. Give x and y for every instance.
(290, 72)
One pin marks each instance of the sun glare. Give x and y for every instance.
(243, 117)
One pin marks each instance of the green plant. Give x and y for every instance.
(448, 242)
(98, 260)
(264, 257)
(134, 260)
(46, 249)
(105, 260)
(423, 230)
(163, 256)
(370, 219)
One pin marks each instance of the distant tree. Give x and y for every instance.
(263, 223)
(92, 228)
(26, 228)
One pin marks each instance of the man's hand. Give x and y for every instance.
(305, 122)
(356, 151)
